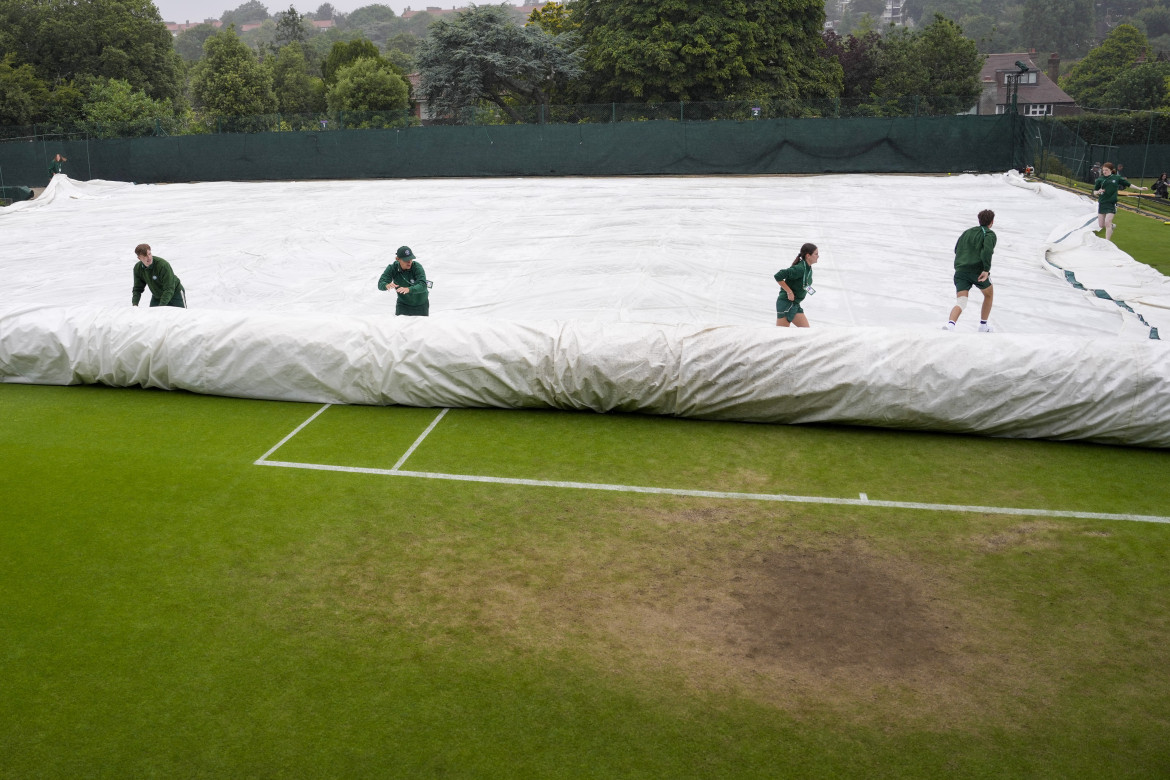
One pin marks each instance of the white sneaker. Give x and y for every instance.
(949, 326)
(986, 328)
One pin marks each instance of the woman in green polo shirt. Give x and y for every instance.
(795, 282)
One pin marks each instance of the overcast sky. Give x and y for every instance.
(198, 10)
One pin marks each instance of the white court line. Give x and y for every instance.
(419, 440)
(995, 510)
(296, 430)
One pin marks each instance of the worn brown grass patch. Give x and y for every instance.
(703, 596)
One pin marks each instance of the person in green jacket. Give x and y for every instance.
(406, 277)
(1106, 188)
(973, 253)
(795, 282)
(157, 274)
(56, 166)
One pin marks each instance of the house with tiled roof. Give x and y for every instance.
(177, 27)
(435, 10)
(1038, 94)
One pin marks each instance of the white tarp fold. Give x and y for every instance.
(1065, 388)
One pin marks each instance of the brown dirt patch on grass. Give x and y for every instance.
(701, 596)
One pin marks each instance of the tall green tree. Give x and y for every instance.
(1064, 26)
(64, 40)
(554, 18)
(22, 94)
(251, 11)
(189, 43)
(1089, 80)
(290, 27)
(229, 80)
(368, 85)
(1142, 88)
(114, 100)
(346, 53)
(375, 22)
(858, 58)
(296, 90)
(484, 55)
(666, 50)
(936, 65)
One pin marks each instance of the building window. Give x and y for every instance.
(1038, 109)
(1031, 77)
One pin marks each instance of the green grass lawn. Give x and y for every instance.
(171, 609)
(1144, 238)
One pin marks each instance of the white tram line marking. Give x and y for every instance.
(863, 500)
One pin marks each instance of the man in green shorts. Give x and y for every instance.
(1106, 188)
(157, 274)
(406, 277)
(973, 253)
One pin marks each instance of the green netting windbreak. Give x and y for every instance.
(1073, 147)
(924, 144)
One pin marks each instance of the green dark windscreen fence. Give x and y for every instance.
(764, 146)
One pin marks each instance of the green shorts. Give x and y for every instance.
(1106, 208)
(786, 309)
(964, 279)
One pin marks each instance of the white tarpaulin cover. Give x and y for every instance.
(636, 294)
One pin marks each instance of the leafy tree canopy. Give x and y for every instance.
(229, 80)
(296, 90)
(368, 85)
(251, 11)
(1142, 88)
(554, 18)
(1064, 26)
(291, 26)
(484, 55)
(666, 50)
(1088, 80)
(859, 61)
(346, 53)
(189, 43)
(115, 100)
(22, 94)
(63, 40)
(935, 62)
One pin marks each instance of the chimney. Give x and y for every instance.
(1054, 67)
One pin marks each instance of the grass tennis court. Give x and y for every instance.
(172, 608)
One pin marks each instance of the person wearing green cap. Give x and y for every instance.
(406, 277)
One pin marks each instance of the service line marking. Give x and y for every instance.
(863, 500)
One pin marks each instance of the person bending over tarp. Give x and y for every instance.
(406, 277)
(157, 274)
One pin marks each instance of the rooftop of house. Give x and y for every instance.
(1034, 89)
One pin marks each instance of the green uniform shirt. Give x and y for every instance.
(415, 279)
(974, 248)
(1111, 184)
(56, 167)
(159, 277)
(798, 277)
